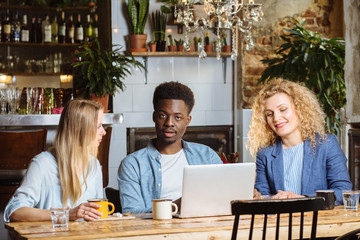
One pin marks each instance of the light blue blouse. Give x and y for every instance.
(41, 186)
(293, 166)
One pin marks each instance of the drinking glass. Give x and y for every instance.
(60, 217)
(29, 94)
(351, 199)
(3, 100)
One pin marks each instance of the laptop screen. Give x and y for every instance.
(209, 189)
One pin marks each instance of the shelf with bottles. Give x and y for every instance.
(28, 44)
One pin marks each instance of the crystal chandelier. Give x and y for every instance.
(220, 15)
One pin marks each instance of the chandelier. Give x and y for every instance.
(220, 15)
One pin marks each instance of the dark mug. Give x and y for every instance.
(329, 196)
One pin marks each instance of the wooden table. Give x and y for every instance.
(330, 223)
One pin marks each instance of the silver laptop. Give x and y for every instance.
(209, 189)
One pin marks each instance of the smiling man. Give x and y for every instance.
(156, 172)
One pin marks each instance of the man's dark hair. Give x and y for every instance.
(174, 90)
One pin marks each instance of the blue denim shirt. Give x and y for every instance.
(140, 178)
(323, 168)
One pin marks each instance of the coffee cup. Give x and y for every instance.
(104, 206)
(163, 209)
(329, 196)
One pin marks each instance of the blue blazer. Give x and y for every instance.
(324, 168)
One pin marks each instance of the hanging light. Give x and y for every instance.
(220, 15)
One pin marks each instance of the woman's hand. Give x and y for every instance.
(257, 194)
(286, 195)
(86, 211)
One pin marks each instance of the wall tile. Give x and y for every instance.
(219, 118)
(112, 177)
(160, 70)
(186, 70)
(202, 94)
(246, 118)
(138, 119)
(197, 118)
(142, 97)
(123, 100)
(221, 97)
(211, 70)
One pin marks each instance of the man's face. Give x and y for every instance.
(171, 119)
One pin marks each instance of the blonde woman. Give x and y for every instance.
(68, 174)
(294, 154)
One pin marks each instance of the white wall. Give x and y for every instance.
(213, 97)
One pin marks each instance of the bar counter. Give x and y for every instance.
(49, 120)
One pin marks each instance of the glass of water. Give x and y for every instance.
(60, 217)
(351, 199)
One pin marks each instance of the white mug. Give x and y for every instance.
(162, 209)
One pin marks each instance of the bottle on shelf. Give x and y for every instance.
(1, 20)
(56, 63)
(15, 29)
(54, 30)
(95, 27)
(24, 32)
(62, 28)
(39, 32)
(79, 30)
(6, 29)
(46, 30)
(88, 29)
(70, 30)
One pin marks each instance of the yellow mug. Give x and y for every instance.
(104, 206)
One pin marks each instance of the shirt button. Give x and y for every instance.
(160, 169)
(159, 184)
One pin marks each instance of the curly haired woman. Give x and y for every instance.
(295, 156)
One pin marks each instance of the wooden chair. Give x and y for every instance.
(113, 196)
(17, 148)
(277, 206)
(103, 155)
(353, 235)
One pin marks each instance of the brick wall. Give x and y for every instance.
(323, 16)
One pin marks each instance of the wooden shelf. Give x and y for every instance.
(33, 74)
(176, 54)
(47, 8)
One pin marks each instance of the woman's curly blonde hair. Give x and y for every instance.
(307, 107)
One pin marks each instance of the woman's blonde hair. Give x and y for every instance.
(307, 108)
(76, 145)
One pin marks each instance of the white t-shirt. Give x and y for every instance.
(172, 166)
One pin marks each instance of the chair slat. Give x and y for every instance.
(277, 206)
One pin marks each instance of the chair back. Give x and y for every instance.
(19, 147)
(277, 206)
(353, 235)
(103, 155)
(113, 195)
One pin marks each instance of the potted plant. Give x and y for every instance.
(191, 47)
(225, 46)
(138, 11)
(315, 61)
(158, 22)
(171, 45)
(152, 46)
(207, 46)
(168, 8)
(100, 72)
(179, 45)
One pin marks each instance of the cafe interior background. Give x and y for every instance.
(223, 88)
